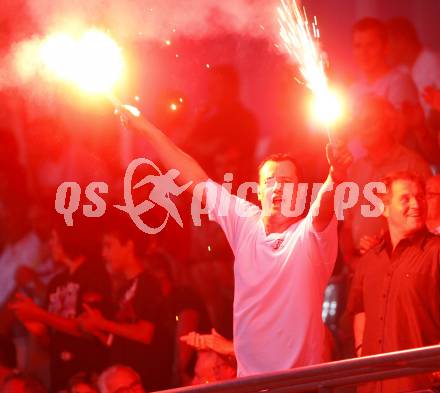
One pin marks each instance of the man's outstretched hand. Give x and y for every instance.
(131, 116)
(339, 159)
(205, 342)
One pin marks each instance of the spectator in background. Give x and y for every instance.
(406, 50)
(22, 383)
(183, 311)
(83, 283)
(172, 113)
(135, 334)
(375, 129)
(433, 200)
(120, 378)
(21, 246)
(82, 383)
(216, 357)
(224, 119)
(370, 41)
(394, 295)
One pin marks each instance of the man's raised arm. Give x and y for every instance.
(169, 154)
(339, 158)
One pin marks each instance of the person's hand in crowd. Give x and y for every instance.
(133, 118)
(214, 342)
(25, 309)
(90, 321)
(366, 243)
(432, 96)
(339, 158)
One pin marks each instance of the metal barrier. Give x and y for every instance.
(323, 378)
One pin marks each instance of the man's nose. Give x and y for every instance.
(415, 203)
(278, 186)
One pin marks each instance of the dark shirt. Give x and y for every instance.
(140, 300)
(181, 299)
(66, 294)
(399, 291)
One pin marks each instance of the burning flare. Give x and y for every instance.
(303, 46)
(94, 62)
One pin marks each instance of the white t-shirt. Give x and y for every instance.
(279, 285)
(396, 86)
(426, 72)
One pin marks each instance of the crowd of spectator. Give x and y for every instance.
(102, 307)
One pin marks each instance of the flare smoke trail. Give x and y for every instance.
(129, 21)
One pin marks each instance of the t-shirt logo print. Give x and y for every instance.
(278, 244)
(163, 186)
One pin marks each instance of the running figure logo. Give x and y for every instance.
(163, 186)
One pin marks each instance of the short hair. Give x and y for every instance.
(391, 178)
(81, 239)
(402, 28)
(280, 157)
(31, 384)
(107, 373)
(119, 225)
(366, 24)
(82, 378)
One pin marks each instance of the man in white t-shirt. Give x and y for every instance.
(370, 42)
(378, 78)
(282, 263)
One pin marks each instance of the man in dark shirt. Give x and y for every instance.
(135, 334)
(83, 283)
(182, 311)
(395, 294)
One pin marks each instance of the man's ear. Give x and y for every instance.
(259, 194)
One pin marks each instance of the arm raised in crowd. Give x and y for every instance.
(169, 154)
(339, 158)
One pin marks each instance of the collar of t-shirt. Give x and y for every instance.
(276, 239)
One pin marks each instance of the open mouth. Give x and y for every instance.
(277, 200)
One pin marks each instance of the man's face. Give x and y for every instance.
(368, 50)
(274, 177)
(124, 381)
(433, 198)
(372, 125)
(406, 209)
(115, 253)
